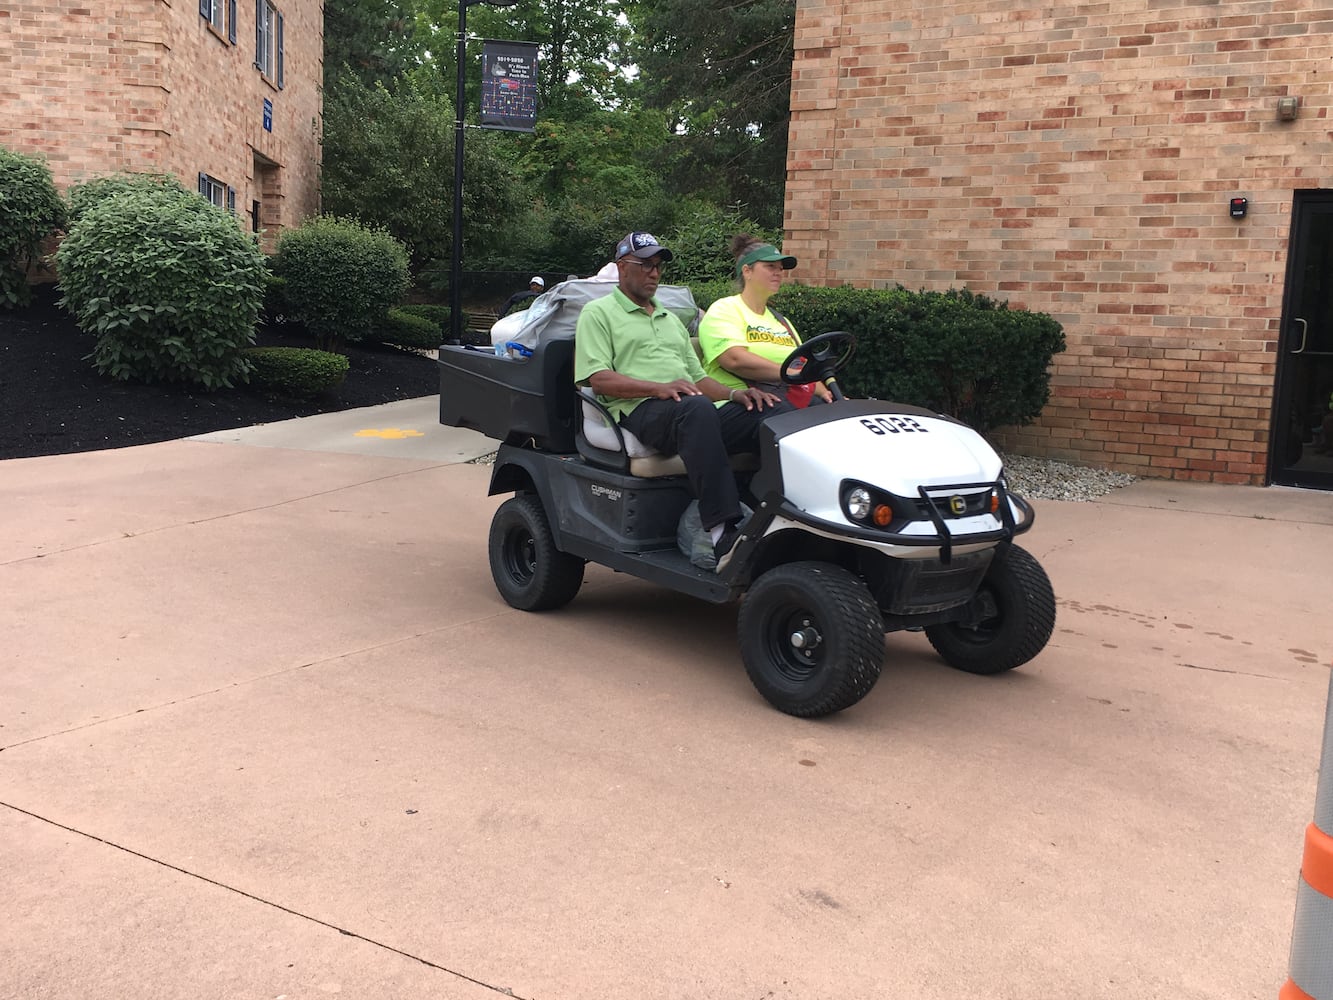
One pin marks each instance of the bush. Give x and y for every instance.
(437, 314)
(952, 352)
(403, 329)
(30, 210)
(701, 243)
(341, 276)
(84, 196)
(296, 371)
(708, 292)
(169, 284)
(274, 305)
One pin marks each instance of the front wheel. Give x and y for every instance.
(530, 573)
(1010, 618)
(811, 637)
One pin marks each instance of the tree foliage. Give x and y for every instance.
(388, 160)
(647, 114)
(723, 71)
(374, 40)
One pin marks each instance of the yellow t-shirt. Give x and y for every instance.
(730, 323)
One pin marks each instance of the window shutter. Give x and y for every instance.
(279, 51)
(231, 200)
(231, 21)
(203, 184)
(206, 9)
(259, 33)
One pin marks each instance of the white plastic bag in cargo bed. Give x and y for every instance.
(554, 314)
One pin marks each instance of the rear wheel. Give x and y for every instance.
(811, 637)
(530, 573)
(1010, 618)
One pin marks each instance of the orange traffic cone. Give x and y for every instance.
(1310, 970)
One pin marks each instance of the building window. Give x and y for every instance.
(268, 41)
(217, 193)
(221, 17)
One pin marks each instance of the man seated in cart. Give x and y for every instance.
(637, 357)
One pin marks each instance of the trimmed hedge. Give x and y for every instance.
(169, 284)
(30, 210)
(401, 328)
(296, 371)
(953, 352)
(437, 314)
(342, 277)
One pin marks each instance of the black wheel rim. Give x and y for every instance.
(520, 556)
(794, 642)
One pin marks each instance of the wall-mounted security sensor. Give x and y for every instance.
(1239, 206)
(1286, 109)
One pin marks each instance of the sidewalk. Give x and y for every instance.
(266, 730)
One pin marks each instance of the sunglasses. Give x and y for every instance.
(647, 265)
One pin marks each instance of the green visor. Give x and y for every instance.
(766, 252)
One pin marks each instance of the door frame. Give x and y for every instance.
(1285, 374)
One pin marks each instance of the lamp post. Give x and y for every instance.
(456, 264)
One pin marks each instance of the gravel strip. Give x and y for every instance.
(1044, 479)
(1031, 478)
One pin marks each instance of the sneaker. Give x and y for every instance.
(724, 546)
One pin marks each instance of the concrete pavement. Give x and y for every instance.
(266, 730)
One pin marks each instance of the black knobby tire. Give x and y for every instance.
(811, 637)
(530, 573)
(1017, 617)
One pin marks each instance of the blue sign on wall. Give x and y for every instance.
(268, 115)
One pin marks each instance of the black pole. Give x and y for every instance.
(456, 251)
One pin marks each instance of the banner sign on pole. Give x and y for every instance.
(509, 85)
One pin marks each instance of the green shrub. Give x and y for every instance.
(170, 286)
(701, 243)
(708, 292)
(341, 276)
(30, 210)
(402, 329)
(296, 371)
(953, 352)
(437, 314)
(84, 196)
(275, 297)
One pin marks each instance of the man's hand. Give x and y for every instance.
(821, 390)
(675, 389)
(754, 399)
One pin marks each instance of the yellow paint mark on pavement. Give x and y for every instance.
(389, 433)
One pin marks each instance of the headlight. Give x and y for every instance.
(858, 503)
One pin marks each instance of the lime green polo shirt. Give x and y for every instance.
(614, 334)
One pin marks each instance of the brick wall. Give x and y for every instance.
(1077, 159)
(140, 85)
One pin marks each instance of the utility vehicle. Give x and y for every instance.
(868, 517)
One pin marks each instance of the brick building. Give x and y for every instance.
(1081, 159)
(225, 94)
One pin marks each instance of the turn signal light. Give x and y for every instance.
(883, 515)
(994, 503)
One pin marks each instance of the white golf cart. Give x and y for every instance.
(869, 517)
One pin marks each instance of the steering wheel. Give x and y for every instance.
(819, 358)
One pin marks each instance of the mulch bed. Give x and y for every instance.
(52, 401)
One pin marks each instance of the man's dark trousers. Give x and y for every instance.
(703, 434)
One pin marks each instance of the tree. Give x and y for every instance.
(375, 40)
(388, 160)
(583, 48)
(723, 72)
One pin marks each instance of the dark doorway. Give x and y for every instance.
(1301, 452)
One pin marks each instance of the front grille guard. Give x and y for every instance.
(929, 495)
